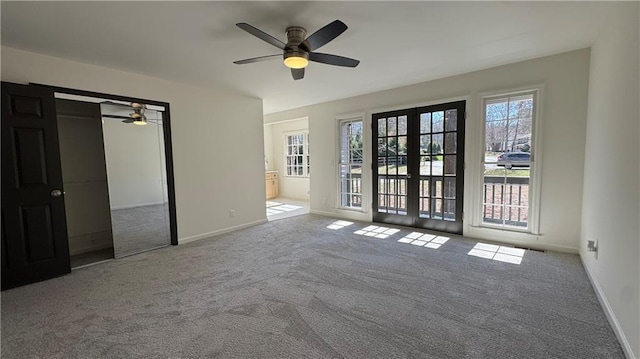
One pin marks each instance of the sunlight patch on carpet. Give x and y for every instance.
(424, 240)
(377, 231)
(339, 224)
(497, 253)
(277, 208)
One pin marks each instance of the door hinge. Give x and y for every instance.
(463, 216)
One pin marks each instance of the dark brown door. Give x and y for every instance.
(418, 167)
(34, 229)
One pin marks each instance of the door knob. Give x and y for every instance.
(56, 193)
(408, 175)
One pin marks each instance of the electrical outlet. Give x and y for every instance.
(592, 246)
(232, 213)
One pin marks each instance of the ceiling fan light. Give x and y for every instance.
(296, 59)
(296, 62)
(140, 121)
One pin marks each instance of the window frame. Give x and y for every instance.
(305, 154)
(340, 123)
(533, 220)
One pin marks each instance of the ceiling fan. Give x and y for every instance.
(300, 49)
(137, 117)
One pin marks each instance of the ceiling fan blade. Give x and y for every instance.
(256, 59)
(297, 74)
(324, 35)
(130, 120)
(333, 59)
(116, 116)
(261, 35)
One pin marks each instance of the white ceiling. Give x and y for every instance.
(398, 43)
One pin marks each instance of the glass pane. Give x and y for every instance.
(424, 207)
(450, 165)
(451, 120)
(425, 140)
(424, 187)
(438, 121)
(495, 128)
(506, 196)
(437, 208)
(402, 125)
(425, 122)
(450, 142)
(391, 168)
(391, 126)
(521, 106)
(392, 146)
(382, 147)
(436, 144)
(402, 165)
(436, 191)
(449, 210)
(402, 186)
(402, 145)
(393, 185)
(382, 127)
(449, 187)
(425, 165)
(382, 203)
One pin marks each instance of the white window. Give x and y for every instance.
(508, 161)
(296, 154)
(350, 166)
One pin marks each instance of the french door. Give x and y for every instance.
(418, 167)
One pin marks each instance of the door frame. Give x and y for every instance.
(412, 112)
(168, 147)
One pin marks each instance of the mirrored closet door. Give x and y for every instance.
(115, 177)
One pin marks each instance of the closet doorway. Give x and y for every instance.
(93, 180)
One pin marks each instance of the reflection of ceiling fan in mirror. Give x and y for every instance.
(137, 117)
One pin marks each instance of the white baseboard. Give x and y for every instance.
(128, 206)
(219, 232)
(608, 312)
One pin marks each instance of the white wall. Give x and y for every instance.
(268, 148)
(134, 169)
(212, 173)
(288, 187)
(564, 78)
(611, 209)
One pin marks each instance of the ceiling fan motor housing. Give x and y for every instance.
(295, 43)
